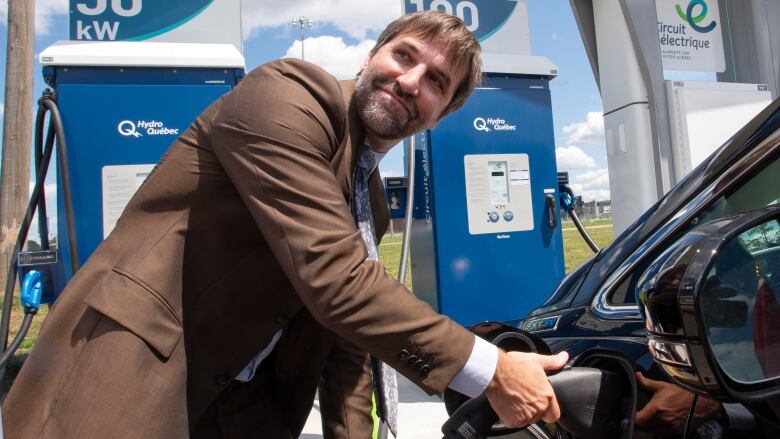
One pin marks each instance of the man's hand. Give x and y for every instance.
(668, 408)
(520, 393)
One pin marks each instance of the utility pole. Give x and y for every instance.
(17, 126)
(301, 22)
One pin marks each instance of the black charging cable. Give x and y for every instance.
(567, 201)
(42, 154)
(42, 157)
(691, 412)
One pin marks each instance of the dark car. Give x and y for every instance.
(593, 314)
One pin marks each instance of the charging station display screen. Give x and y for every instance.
(499, 187)
(498, 193)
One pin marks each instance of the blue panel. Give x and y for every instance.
(423, 252)
(98, 109)
(493, 276)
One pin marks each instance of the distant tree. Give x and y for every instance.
(33, 245)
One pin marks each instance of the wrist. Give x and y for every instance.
(480, 369)
(494, 384)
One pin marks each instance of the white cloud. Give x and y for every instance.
(592, 185)
(332, 54)
(589, 132)
(595, 179)
(355, 17)
(50, 192)
(572, 158)
(2, 110)
(45, 10)
(588, 195)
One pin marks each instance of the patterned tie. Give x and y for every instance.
(386, 386)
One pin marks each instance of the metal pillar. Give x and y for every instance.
(621, 40)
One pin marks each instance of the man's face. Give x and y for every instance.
(405, 87)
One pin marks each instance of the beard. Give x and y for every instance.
(379, 114)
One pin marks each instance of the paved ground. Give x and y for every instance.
(419, 416)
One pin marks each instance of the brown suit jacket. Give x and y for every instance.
(242, 229)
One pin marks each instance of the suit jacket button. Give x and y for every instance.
(282, 319)
(425, 370)
(222, 379)
(418, 364)
(411, 360)
(403, 355)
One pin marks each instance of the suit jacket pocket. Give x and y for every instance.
(140, 309)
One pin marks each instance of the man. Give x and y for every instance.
(212, 307)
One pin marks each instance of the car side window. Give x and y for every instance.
(760, 190)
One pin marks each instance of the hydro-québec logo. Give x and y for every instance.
(140, 128)
(493, 124)
(694, 20)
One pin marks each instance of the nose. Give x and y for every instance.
(410, 79)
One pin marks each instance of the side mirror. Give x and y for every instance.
(711, 304)
(723, 307)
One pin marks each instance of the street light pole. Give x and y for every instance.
(301, 22)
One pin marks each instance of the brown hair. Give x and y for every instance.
(462, 47)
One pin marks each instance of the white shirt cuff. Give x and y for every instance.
(475, 376)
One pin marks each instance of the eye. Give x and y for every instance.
(403, 55)
(436, 81)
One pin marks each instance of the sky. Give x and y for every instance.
(343, 32)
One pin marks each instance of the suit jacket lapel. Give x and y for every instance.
(353, 142)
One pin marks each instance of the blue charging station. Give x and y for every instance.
(122, 105)
(486, 239)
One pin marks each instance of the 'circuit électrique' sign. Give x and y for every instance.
(690, 35)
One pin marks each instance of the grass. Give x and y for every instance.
(575, 252)
(390, 256)
(15, 363)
